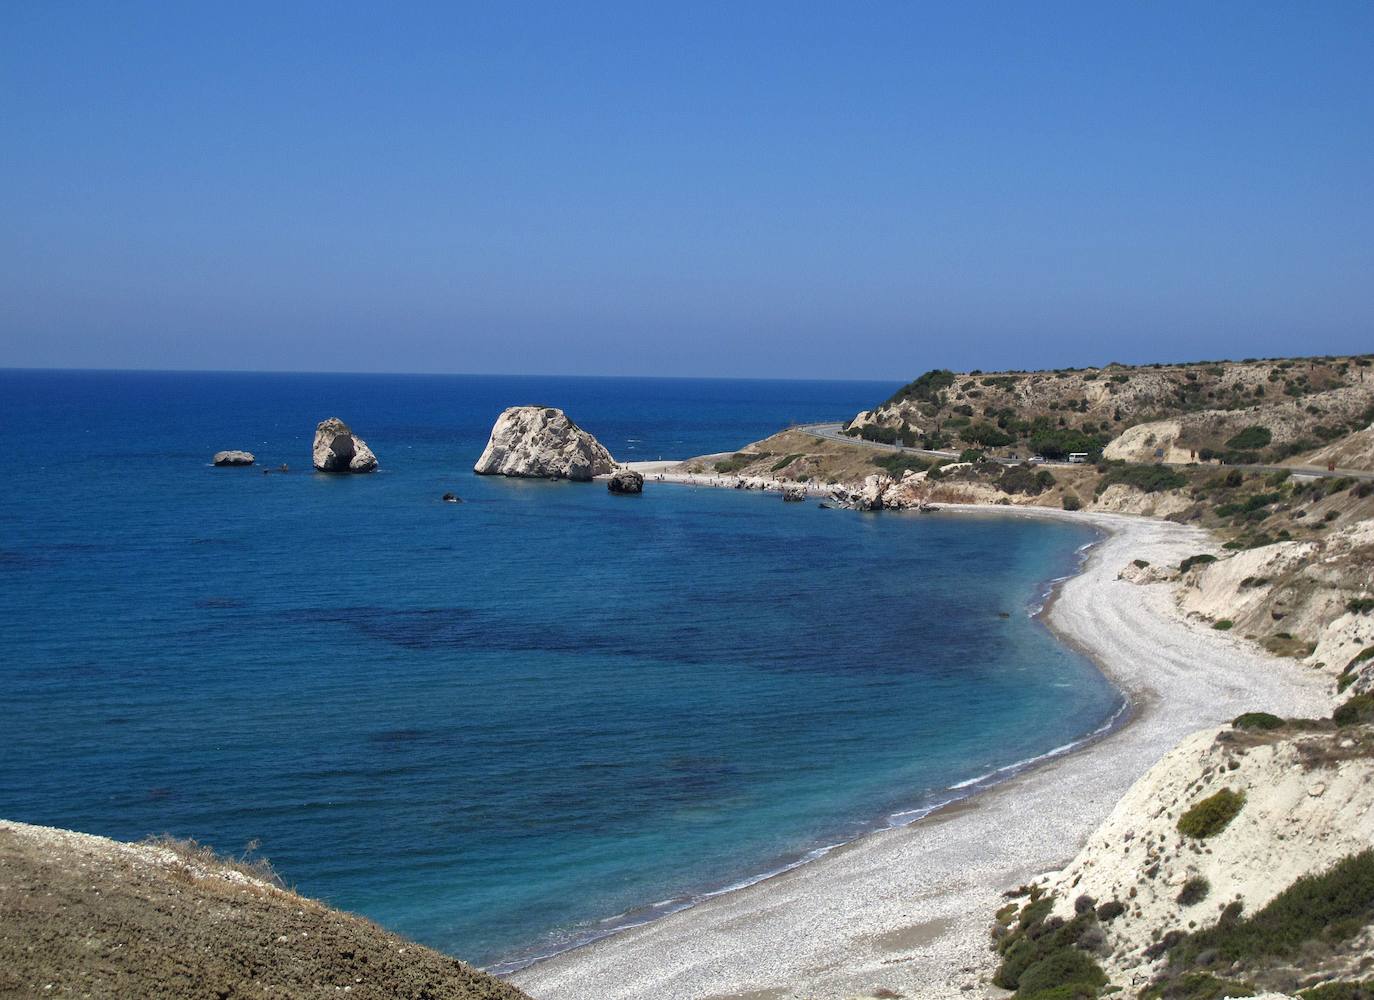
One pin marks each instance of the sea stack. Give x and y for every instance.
(233, 458)
(540, 442)
(337, 449)
(625, 481)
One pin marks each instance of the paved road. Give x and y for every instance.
(832, 432)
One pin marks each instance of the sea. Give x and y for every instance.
(515, 724)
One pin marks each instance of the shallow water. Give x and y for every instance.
(503, 725)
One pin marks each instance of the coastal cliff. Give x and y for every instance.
(165, 920)
(541, 442)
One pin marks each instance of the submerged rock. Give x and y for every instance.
(540, 442)
(625, 481)
(233, 458)
(337, 449)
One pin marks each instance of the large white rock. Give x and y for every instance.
(338, 449)
(540, 442)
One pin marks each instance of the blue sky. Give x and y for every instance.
(736, 189)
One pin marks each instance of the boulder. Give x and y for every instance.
(540, 442)
(793, 494)
(625, 481)
(452, 498)
(337, 449)
(233, 458)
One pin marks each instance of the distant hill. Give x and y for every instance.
(1253, 411)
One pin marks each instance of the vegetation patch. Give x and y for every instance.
(1355, 712)
(1146, 478)
(1212, 815)
(1025, 479)
(899, 464)
(1194, 891)
(1360, 605)
(1257, 720)
(1224, 625)
(1251, 438)
(1330, 907)
(1341, 991)
(785, 461)
(1044, 958)
(926, 388)
(1197, 560)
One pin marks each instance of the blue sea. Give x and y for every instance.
(509, 725)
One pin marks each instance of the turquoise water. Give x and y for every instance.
(511, 724)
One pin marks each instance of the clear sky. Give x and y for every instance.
(746, 188)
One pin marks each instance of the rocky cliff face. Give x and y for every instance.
(540, 442)
(338, 449)
(1307, 802)
(1308, 591)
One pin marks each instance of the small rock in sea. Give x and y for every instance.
(793, 494)
(233, 458)
(824, 506)
(336, 449)
(1004, 614)
(625, 481)
(452, 498)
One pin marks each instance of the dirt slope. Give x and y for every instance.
(90, 917)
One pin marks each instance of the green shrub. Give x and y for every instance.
(1142, 563)
(1058, 443)
(1194, 891)
(927, 387)
(1225, 625)
(1064, 967)
(1251, 439)
(898, 463)
(1257, 720)
(1360, 657)
(1197, 560)
(1360, 605)
(985, 435)
(1072, 502)
(1357, 711)
(1110, 910)
(785, 461)
(1025, 478)
(1210, 816)
(1146, 478)
(1332, 906)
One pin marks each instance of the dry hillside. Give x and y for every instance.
(83, 916)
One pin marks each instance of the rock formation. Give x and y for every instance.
(793, 494)
(540, 442)
(233, 458)
(625, 481)
(337, 449)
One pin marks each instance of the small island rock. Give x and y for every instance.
(625, 481)
(452, 498)
(337, 449)
(793, 494)
(233, 458)
(540, 442)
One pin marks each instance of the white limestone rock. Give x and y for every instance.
(223, 458)
(338, 449)
(540, 442)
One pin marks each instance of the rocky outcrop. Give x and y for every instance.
(1308, 802)
(625, 481)
(223, 458)
(540, 442)
(880, 492)
(338, 449)
(793, 494)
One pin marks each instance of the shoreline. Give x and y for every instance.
(907, 907)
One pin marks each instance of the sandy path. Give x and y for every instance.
(909, 909)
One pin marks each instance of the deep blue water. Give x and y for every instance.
(501, 725)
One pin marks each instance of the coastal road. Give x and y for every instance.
(832, 432)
